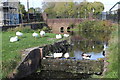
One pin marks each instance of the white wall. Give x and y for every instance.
(1, 14)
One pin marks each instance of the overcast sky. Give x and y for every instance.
(38, 3)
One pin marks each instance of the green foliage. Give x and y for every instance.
(71, 9)
(64, 9)
(48, 8)
(95, 26)
(72, 25)
(38, 10)
(26, 29)
(31, 10)
(46, 29)
(98, 7)
(22, 9)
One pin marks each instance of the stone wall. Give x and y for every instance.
(73, 66)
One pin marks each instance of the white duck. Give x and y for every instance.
(66, 35)
(58, 36)
(86, 56)
(19, 33)
(35, 34)
(66, 55)
(14, 39)
(57, 55)
(42, 33)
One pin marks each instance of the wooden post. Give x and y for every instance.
(41, 53)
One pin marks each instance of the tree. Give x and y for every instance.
(46, 5)
(64, 9)
(71, 9)
(98, 6)
(22, 9)
(85, 8)
(38, 10)
(31, 10)
(48, 8)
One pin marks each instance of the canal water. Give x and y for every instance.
(91, 43)
(95, 44)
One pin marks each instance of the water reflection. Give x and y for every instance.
(93, 43)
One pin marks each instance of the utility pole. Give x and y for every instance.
(28, 9)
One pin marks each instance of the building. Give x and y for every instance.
(9, 12)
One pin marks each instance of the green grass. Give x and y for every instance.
(11, 52)
(113, 57)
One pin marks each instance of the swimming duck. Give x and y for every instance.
(86, 56)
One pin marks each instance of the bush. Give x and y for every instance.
(26, 29)
(95, 26)
(45, 28)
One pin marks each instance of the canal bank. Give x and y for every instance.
(112, 58)
(34, 61)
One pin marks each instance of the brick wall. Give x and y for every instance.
(56, 24)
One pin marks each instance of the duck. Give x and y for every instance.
(35, 34)
(42, 33)
(19, 33)
(66, 35)
(86, 56)
(14, 39)
(58, 36)
(57, 55)
(66, 55)
(103, 53)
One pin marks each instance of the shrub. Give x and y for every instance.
(95, 26)
(26, 29)
(45, 28)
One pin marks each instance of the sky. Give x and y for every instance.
(38, 3)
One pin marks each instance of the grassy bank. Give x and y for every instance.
(112, 56)
(11, 54)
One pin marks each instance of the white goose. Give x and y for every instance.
(57, 55)
(66, 55)
(19, 33)
(35, 34)
(58, 36)
(14, 39)
(42, 33)
(66, 35)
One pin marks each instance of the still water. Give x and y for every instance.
(93, 45)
